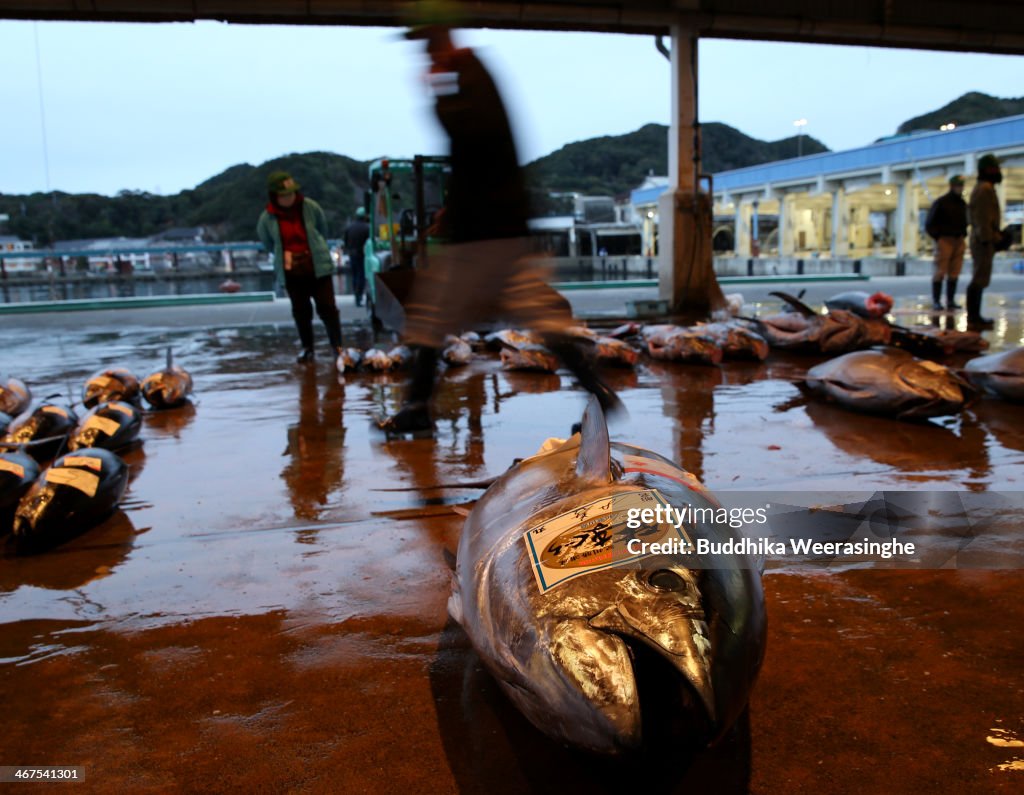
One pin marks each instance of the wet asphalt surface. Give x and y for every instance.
(264, 614)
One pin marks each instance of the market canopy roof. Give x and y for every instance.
(993, 26)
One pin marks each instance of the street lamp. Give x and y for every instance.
(800, 124)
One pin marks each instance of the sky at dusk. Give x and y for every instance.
(108, 107)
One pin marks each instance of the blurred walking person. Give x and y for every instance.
(353, 239)
(485, 270)
(294, 229)
(985, 236)
(947, 224)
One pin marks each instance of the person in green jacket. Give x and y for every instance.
(294, 229)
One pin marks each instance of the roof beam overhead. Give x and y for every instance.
(992, 26)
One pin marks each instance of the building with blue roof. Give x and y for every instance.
(856, 203)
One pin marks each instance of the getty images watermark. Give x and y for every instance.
(762, 546)
(890, 529)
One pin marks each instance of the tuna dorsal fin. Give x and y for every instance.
(594, 462)
(794, 302)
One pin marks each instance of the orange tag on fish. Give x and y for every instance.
(83, 461)
(124, 408)
(85, 482)
(105, 424)
(10, 466)
(55, 410)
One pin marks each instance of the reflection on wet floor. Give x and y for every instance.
(250, 591)
(271, 453)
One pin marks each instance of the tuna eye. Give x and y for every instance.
(666, 580)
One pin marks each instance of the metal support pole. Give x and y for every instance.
(686, 276)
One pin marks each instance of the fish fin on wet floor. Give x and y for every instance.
(455, 599)
(593, 462)
(795, 402)
(794, 302)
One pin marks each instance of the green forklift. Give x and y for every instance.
(403, 205)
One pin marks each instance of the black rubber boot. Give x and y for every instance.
(305, 356)
(572, 356)
(951, 303)
(937, 295)
(414, 416)
(975, 322)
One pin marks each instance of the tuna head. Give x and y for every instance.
(621, 649)
(1000, 374)
(934, 390)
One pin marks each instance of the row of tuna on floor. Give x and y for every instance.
(878, 373)
(42, 505)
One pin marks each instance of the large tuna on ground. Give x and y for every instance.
(890, 381)
(596, 642)
(41, 433)
(77, 491)
(999, 374)
(109, 425)
(167, 388)
(15, 397)
(114, 383)
(18, 472)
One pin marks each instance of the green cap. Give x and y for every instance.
(956, 179)
(987, 161)
(281, 182)
(425, 15)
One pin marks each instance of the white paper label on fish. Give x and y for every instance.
(593, 537)
(105, 424)
(85, 482)
(10, 466)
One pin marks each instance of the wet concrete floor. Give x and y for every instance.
(249, 621)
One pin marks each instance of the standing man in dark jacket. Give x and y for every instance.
(486, 270)
(353, 239)
(985, 234)
(294, 229)
(947, 224)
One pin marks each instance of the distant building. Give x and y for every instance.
(868, 201)
(181, 235)
(10, 245)
(595, 228)
(105, 254)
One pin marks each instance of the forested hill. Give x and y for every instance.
(229, 203)
(616, 164)
(971, 108)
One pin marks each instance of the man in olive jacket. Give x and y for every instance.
(294, 228)
(985, 234)
(947, 224)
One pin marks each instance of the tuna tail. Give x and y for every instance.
(594, 460)
(794, 302)
(170, 358)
